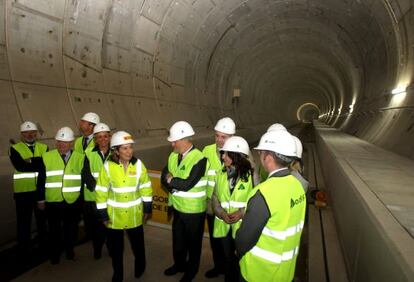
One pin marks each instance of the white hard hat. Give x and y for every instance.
(180, 130)
(276, 127)
(91, 117)
(236, 144)
(299, 147)
(101, 127)
(28, 126)
(226, 125)
(280, 142)
(121, 138)
(65, 134)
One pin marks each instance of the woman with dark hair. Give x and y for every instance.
(124, 202)
(232, 189)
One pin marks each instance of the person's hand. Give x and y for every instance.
(235, 216)
(41, 206)
(169, 177)
(225, 217)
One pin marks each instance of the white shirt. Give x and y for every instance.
(276, 170)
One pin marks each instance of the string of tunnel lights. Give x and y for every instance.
(399, 91)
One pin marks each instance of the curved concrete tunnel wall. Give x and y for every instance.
(144, 64)
(161, 61)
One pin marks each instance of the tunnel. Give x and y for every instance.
(342, 67)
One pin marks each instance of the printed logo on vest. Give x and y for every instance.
(183, 167)
(241, 187)
(297, 201)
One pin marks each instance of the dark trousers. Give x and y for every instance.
(115, 243)
(231, 265)
(95, 229)
(26, 205)
(215, 244)
(63, 221)
(187, 232)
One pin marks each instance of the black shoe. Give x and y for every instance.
(214, 272)
(173, 270)
(138, 274)
(187, 278)
(117, 278)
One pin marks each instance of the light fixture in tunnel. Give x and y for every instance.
(236, 95)
(399, 90)
(351, 108)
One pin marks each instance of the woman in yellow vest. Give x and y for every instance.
(124, 202)
(233, 186)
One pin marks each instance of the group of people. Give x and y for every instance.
(254, 228)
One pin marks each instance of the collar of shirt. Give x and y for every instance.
(67, 155)
(186, 152)
(276, 170)
(89, 137)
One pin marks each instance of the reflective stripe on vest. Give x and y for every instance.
(54, 172)
(101, 206)
(183, 194)
(54, 185)
(238, 205)
(145, 185)
(101, 188)
(272, 257)
(71, 189)
(282, 235)
(72, 177)
(211, 172)
(124, 204)
(25, 175)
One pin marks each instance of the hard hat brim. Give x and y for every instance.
(171, 139)
(58, 139)
(116, 145)
(225, 132)
(27, 130)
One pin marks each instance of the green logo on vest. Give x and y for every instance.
(183, 167)
(299, 200)
(241, 187)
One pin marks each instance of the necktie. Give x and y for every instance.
(64, 158)
(180, 158)
(31, 148)
(84, 143)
